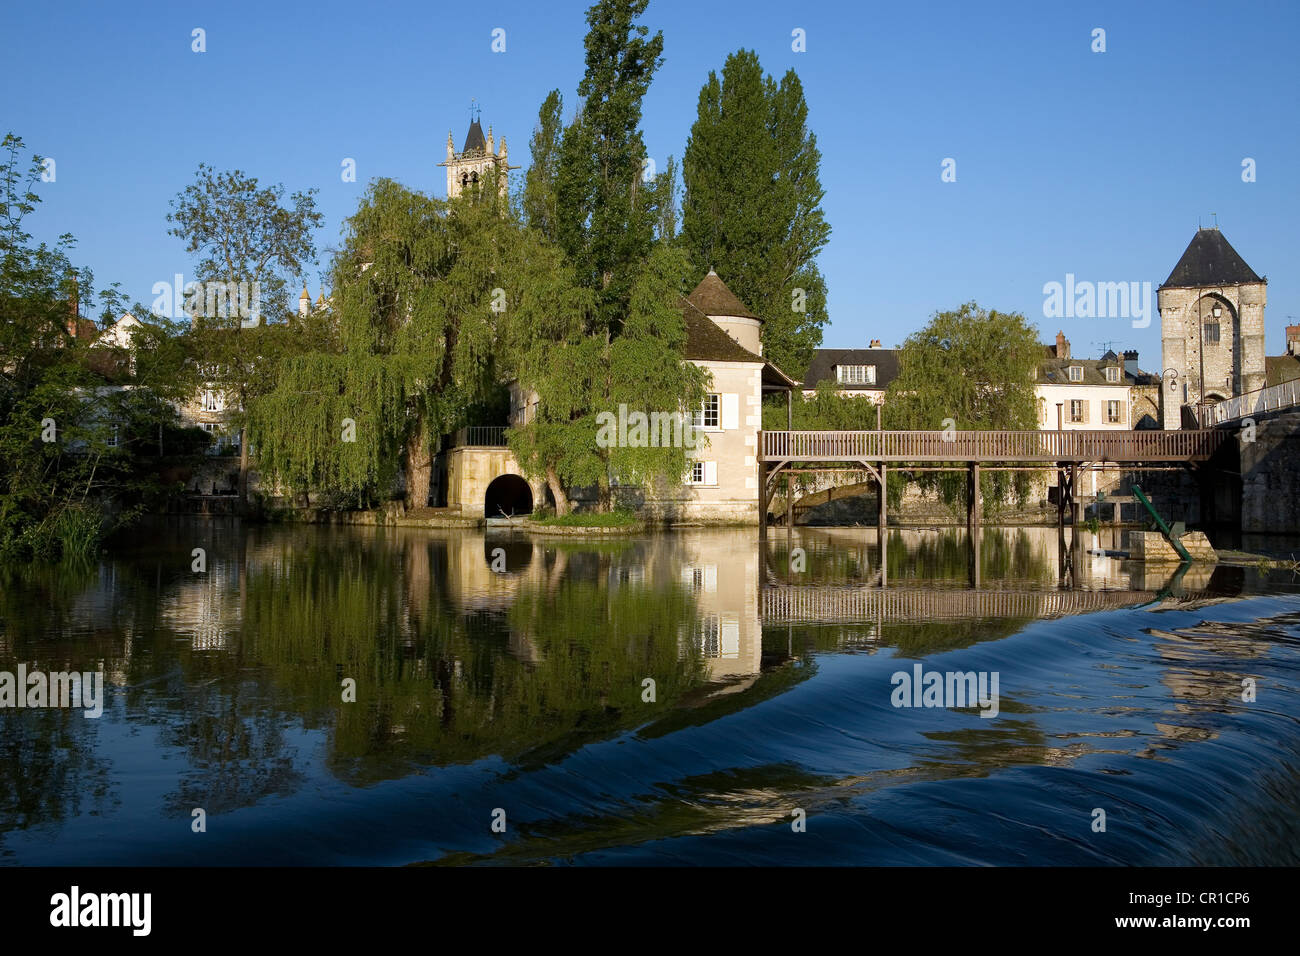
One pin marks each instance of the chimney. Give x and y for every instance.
(1131, 362)
(875, 343)
(1293, 340)
(1062, 346)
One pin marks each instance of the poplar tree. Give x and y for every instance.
(752, 209)
(540, 202)
(589, 189)
(606, 215)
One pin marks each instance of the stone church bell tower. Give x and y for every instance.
(468, 167)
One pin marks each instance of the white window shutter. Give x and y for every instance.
(730, 411)
(710, 472)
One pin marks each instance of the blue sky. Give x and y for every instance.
(1067, 161)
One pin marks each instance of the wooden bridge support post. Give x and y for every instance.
(1060, 502)
(1076, 513)
(882, 518)
(972, 496)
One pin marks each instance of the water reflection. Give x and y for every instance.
(529, 654)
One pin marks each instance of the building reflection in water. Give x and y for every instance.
(465, 645)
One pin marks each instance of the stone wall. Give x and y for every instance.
(1270, 475)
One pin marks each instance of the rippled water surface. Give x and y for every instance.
(523, 695)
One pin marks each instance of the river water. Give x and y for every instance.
(694, 697)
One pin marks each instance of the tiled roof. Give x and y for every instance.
(712, 297)
(705, 340)
(1210, 260)
(822, 366)
(1054, 371)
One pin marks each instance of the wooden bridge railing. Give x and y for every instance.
(1009, 446)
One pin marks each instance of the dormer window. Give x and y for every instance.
(1076, 373)
(1112, 373)
(855, 374)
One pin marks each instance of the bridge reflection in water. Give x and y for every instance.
(730, 585)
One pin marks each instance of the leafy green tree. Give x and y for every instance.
(71, 443)
(753, 203)
(248, 239)
(976, 367)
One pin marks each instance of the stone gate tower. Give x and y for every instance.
(466, 168)
(1211, 326)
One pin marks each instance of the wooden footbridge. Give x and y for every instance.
(1067, 451)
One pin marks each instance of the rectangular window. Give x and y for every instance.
(1113, 411)
(210, 402)
(1112, 373)
(707, 415)
(856, 374)
(703, 473)
(1076, 410)
(1211, 333)
(1076, 373)
(113, 433)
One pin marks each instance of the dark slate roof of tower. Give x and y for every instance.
(1209, 261)
(475, 139)
(712, 297)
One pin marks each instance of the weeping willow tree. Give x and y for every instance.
(426, 293)
(975, 367)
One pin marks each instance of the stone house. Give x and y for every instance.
(724, 338)
(856, 373)
(1104, 393)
